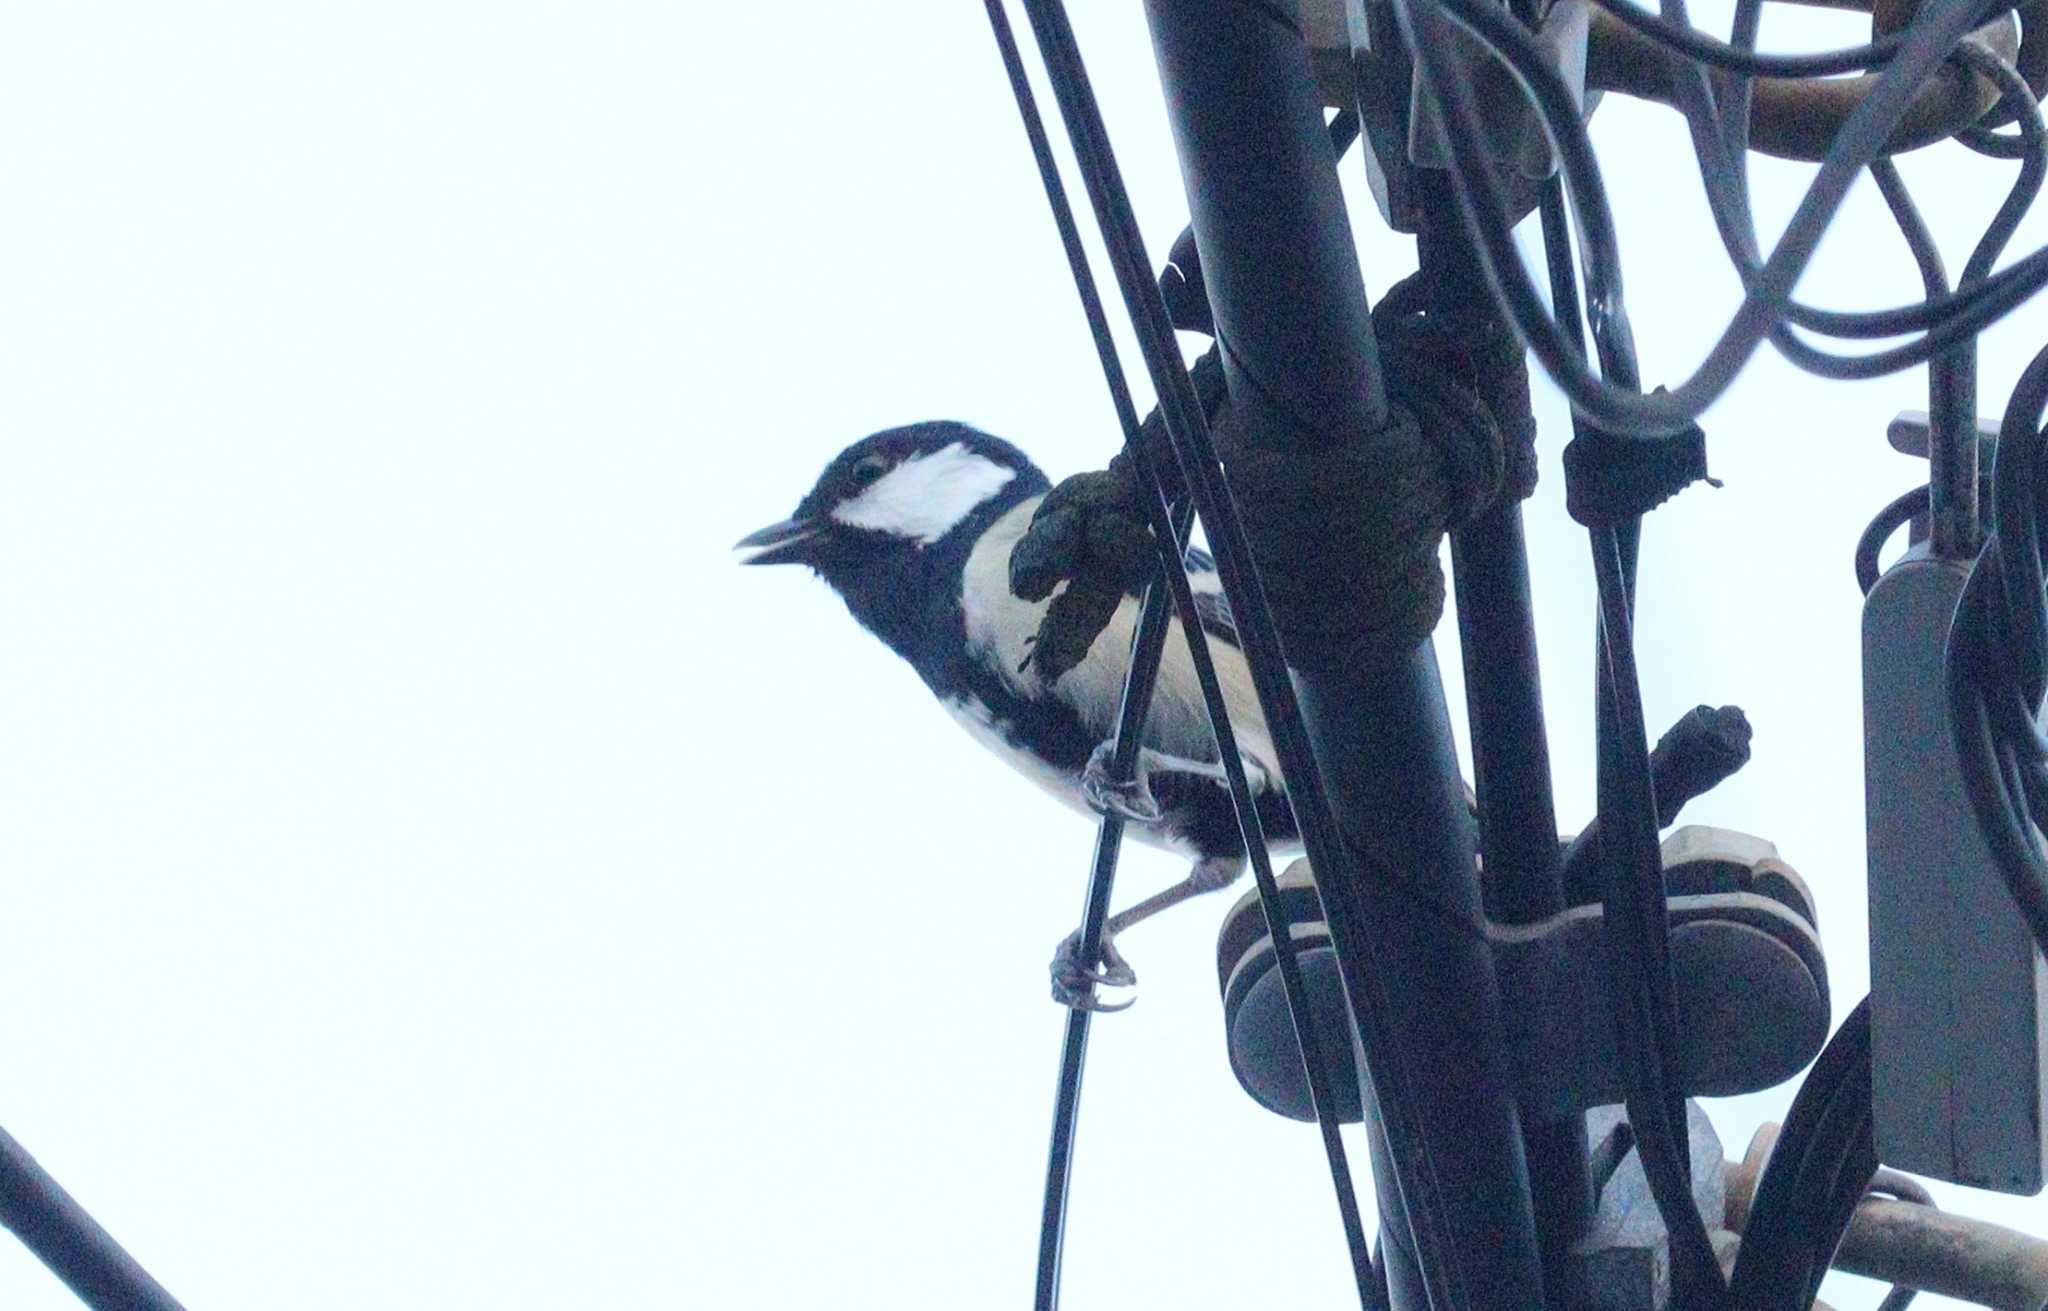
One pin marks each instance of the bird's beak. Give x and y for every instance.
(780, 543)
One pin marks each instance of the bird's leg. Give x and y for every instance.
(1210, 874)
(1073, 982)
(1133, 802)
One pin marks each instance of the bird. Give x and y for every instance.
(913, 527)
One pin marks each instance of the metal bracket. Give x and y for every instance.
(1624, 1261)
(1357, 57)
(1751, 976)
(1514, 132)
(1912, 430)
(1912, 433)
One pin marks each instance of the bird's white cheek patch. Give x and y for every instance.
(926, 496)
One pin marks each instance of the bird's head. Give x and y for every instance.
(888, 500)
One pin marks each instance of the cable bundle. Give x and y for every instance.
(1829, 1156)
(1997, 665)
(1999, 660)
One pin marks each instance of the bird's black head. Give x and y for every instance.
(897, 512)
(898, 492)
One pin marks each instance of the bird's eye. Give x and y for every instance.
(873, 467)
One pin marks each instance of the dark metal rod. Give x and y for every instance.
(1522, 878)
(1383, 737)
(51, 1223)
(1270, 224)
(1518, 831)
(1522, 881)
(1951, 389)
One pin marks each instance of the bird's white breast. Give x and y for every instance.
(972, 714)
(999, 627)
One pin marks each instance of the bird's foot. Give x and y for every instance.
(1130, 801)
(1074, 984)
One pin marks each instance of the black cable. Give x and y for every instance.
(1188, 429)
(51, 1224)
(1889, 520)
(1862, 323)
(1169, 528)
(1721, 158)
(1147, 645)
(1913, 228)
(1722, 161)
(1635, 907)
(1951, 505)
(1140, 679)
(1998, 145)
(1725, 183)
(1824, 1159)
(1926, 43)
(1903, 1187)
(1637, 933)
(1636, 941)
(1742, 35)
(1726, 188)
(1977, 272)
(1996, 664)
(1843, 1160)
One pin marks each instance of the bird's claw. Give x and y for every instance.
(1074, 984)
(1130, 801)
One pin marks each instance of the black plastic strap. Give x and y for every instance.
(1611, 479)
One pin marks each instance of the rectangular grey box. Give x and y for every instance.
(1959, 992)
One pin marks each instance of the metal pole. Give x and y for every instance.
(1523, 879)
(1290, 309)
(51, 1223)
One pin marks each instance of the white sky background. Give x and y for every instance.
(435, 876)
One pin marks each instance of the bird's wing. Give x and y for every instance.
(1211, 605)
(1179, 722)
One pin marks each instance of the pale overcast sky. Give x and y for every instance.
(434, 876)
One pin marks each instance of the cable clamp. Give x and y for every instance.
(1610, 478)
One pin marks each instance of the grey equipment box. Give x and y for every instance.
(1959, 993)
